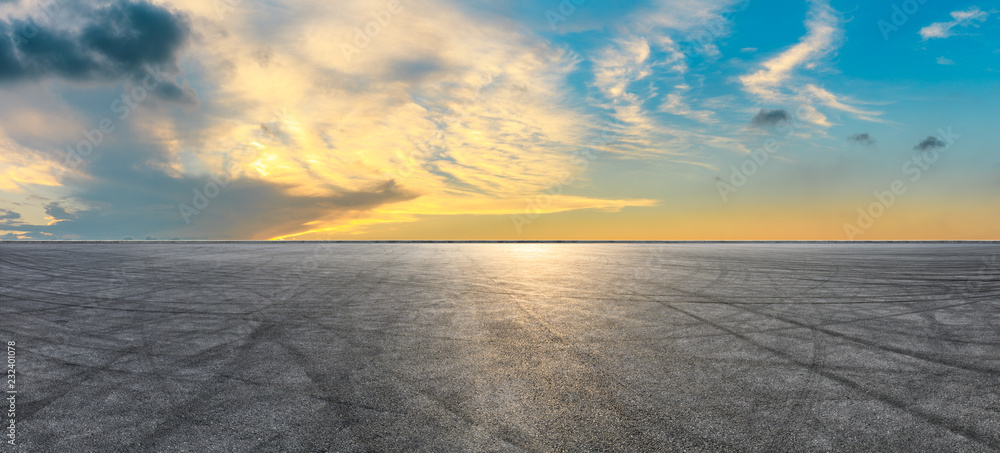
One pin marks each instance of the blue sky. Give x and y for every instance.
(517, 119)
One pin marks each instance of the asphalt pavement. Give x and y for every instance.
(503, 347)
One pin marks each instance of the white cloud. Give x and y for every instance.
(464, 111)
(962, 18)
(676, 105)
(830, 100)
(620, 65)
(646, 54)
(778, 81)
(822, 37)
(945, 61)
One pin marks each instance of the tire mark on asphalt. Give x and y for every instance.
(604, 380)
(963, 431)
(239, 361)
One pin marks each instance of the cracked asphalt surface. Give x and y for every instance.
(504, 347)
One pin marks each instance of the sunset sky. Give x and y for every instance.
(499, 119)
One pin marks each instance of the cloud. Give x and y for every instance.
(769, 119)
(930, 143)
(863, 138)
(245, 209)
(675, 104)
(650, 52)
(962, 18)
(24, 236)
(778, 82)
(945, 61)
(58, 212)
(7, 215)
(830, 100)
(443, 111)
(387, 192)
(448, 110)
(105, 43)
(621, 65)
(822, 35)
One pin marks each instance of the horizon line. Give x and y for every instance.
(419, 241)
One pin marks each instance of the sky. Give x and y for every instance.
(499, 120)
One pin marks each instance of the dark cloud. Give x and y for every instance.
(133, 34)
(275, 131)
(123, 190)
(120, 39)
(930, 143)
(259, 209)
(264, 56)
(767, 119)
(58, 212)
(176, 93)
(386, 192)
(863, 138)
(8, 215)
(128, 197)
(246, 209)
(416, 69)
(11, 220)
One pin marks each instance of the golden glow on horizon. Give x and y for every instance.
(451, 122)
